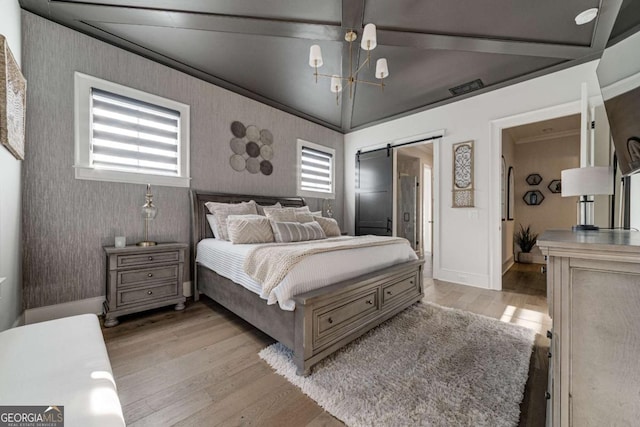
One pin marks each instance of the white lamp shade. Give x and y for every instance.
(382, 70)
(588, 181)
(336, 84)
(315, 56)
(369, 41)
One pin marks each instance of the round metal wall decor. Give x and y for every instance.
(252, 149)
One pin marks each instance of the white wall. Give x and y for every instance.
(508, 226)
(470, 239)
(10, 193)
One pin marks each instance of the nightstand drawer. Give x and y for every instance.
(140, 295)
(147, 275)
(141, 259)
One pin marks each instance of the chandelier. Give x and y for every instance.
(368, 43)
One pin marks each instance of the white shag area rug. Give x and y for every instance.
(428, 366)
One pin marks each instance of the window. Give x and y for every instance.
(315, 170)
(126, 135)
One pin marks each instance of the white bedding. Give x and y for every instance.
(313, 272)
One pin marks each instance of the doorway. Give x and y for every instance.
(413, 198)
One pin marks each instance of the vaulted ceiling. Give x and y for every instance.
(260, 48)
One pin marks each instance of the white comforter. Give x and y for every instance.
(313, 272)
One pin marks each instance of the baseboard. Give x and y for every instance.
(507, 264)
(187, 289)
(89, 305)
(19, 321)
(57, 311)
(462, 278)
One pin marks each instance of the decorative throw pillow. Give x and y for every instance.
(211, 219)
(329, 226)
(261, 208)
(223, 210)
(316, 213)
(285, 232)
(244, 229)
(289, 214)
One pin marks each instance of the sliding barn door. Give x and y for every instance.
(374, 193)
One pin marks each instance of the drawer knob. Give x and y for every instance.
(389, 293)
(369, 302)
(149, 292)
(549, 355)
(149, 275)
(549, 334)
(547, 395)
(150, 258)
(330, 320)
(411, 281)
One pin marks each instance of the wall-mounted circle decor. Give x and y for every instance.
(252, 149)
(534, 179)
(555, 186)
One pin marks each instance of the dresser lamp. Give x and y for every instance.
(585, 183)
(148, 212)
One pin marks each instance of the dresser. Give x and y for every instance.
(142, 278)
(593, 292)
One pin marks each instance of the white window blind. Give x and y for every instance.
(130, 135)
(316, 170)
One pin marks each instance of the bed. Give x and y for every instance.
(324, 319)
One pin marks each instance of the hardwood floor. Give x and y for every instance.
(200, 367)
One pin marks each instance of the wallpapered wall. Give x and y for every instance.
(67, 221)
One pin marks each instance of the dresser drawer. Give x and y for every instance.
(398, 290)
(147, 275)
(142, 259)
(336, 317)
(146, 294)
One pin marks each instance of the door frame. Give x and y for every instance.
(495, 205)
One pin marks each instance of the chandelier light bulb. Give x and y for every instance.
(382, 70)
(315, 56)
(336, 84)
(369, 41)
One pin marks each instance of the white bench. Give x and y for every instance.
(61, 362)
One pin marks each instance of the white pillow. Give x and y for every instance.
(285, 232)
(261, 207)
(329, 226)
(244, 229)
(222, 210)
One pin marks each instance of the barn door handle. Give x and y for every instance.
(389, 225)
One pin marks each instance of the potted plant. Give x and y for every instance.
(526, 240)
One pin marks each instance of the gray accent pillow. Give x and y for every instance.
(261, 208)
(245, 229)
(289, 214)
(329, 226)
(285, 232)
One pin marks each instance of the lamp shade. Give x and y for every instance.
(382, 70)
(587, 181)
(369, 40)
(315, 56)
(336, 84)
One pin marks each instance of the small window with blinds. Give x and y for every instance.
(315, 170)
(126, 135)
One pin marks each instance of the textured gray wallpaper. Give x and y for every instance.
(67, 221)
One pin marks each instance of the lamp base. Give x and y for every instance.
(146, 243)
(585, 227)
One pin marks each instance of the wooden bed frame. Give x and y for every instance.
(325, 319)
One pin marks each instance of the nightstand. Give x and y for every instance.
(140, 278)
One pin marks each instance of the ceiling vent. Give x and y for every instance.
(467, 87)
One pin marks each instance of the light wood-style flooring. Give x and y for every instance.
(200, 367)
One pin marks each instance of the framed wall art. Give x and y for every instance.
(511, 191)
(463, 175)
(13, 102)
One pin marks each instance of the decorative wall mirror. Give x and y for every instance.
(463, 175)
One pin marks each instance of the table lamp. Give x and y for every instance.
(586, 182)
(148, 212)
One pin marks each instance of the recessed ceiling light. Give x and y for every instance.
(586, 16)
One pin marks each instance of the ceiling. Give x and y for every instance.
(260, 49)
(560, 127)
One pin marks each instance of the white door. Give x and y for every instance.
(427, 211)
